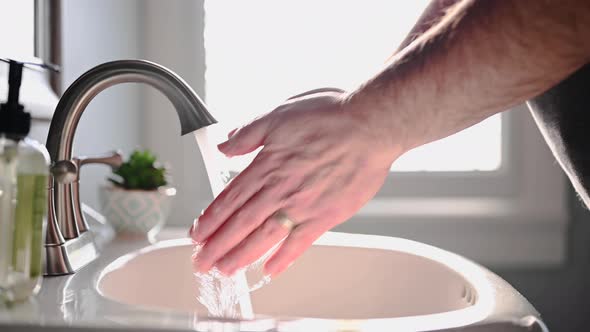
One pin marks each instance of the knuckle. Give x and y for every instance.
(298, 237)
(293, 251)
(242, 215)
(232, 195)
(269, 228)
(273, 181)
(232, 262)
(300, 196)
(302, 238)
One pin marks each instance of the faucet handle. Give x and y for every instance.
(68, 171)
(113, 159)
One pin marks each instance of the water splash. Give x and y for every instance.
(220, 294)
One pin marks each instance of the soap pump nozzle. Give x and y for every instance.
(14, 121)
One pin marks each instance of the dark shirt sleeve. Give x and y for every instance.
(563, 116)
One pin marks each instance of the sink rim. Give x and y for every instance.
(472, 273)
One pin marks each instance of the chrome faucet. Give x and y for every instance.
(69, 244)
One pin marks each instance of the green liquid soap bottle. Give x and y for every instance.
(24, 170)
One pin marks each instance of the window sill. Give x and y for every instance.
(491, 244)
(518, 217)
(496, 232)
(507, 210)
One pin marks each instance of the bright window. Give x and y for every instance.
(262, 52)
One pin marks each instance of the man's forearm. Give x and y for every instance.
(483, 57)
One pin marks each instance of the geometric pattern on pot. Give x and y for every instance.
(135, 211)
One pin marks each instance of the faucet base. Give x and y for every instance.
(70, 256)
(74, 254)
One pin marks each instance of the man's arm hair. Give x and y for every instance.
(432, 14)
(481, 58)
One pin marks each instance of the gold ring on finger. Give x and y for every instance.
(283, 219)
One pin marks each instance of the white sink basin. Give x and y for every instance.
(369, 279)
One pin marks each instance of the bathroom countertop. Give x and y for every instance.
(73, 302)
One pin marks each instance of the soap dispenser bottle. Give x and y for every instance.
(24, 169)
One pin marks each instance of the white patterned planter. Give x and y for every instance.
(136, 212)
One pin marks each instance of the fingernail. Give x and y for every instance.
(269, 269)
(232, 132)
(273, 269)
(201, 266)
(190, 230)
(224, 145)
(226, 268)
(194, 231)
(199, 238)
(202, 260)
(199, 235)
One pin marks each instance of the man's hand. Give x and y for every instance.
(326, 154)
(319, 164)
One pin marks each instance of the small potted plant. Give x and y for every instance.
(137, 201)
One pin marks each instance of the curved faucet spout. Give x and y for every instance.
(190, 108)
(65, 219)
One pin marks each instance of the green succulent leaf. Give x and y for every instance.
(140, 172)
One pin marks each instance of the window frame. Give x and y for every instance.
(514, 216)
(493, 183)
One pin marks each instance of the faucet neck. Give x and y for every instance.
(191, 110)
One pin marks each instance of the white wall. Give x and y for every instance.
(173, 37)
(96, 31)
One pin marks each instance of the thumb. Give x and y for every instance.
(246, 139)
